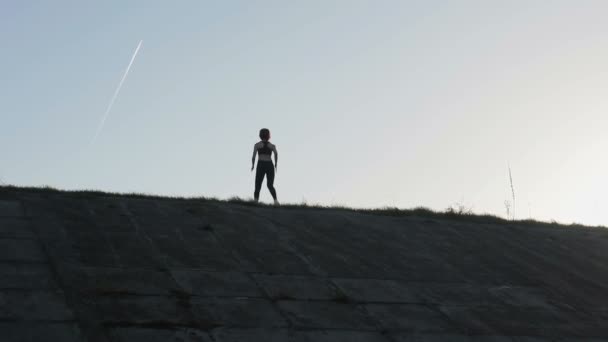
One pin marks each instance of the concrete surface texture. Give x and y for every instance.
(94, 267)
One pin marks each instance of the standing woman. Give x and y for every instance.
(264, 149)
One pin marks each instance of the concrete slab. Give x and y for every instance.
(142, 310)
(376, 290)
(111, 216)
(271, 260)
(112, 281)
(134, 250)
(153, 214)
(18, 250)
(158, 228)
(155, 226)
(468, 321)
(341, 336)
(446, 293)
(16, 228)
(330, 260)
(410, 317)
(463, 338)
(198, 235)
(326, 315)
(279, 287)
(26, 276)
(260, 249)
(163, 228)
(34, 305)
(82, 225)
(344, 261)
(453, 293)
(238, 312)
(532, 297)
(40, 331)
(141, 334)
(253, 335)
(82, 249)
(411, 337)
(221, 284)
(521, 321)
(9, 208)
(48, 227)
(178, 256)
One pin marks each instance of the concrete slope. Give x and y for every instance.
(94, 267)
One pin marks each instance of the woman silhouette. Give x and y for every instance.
(265, 167)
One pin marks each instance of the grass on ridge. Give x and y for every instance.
(421, 212)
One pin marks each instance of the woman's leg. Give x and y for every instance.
(259, 178)
(270, 180)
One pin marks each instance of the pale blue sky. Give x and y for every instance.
(370, 103)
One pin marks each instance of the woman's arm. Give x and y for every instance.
(276, 156)
(253, 157)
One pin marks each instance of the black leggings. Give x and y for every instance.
(264, 168)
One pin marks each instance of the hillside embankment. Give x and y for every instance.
(104, 267)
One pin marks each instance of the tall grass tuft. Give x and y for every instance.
(459, 209)
(508, 208)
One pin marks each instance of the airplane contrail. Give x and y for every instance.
(124, 77)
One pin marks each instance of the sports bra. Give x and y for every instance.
(265, 149)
